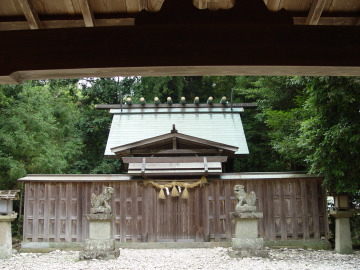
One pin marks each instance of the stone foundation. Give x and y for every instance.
(5, 235)
(246, 242)
(343, 243)
(101, 244)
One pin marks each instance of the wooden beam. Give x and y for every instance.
(175, 152)
(331, 21)
(87, 13)
(30, 14)
(179, 50)
(316, 10)
(24, 25)
(187, 159)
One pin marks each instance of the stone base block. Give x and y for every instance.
(248, 247)
(99, 249)
(246, 253)
(247, 243)
(96, 244)
(99, 255)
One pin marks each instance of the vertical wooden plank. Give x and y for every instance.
(145, 213)
(85, 201)
(134, 212)
(156, 216)
(206, 211)
(228, 193)
(175, 217)
(282, 184)
(217, 211)
(57, 212)
(151, 214)
(315, 208)
(304, 204)
(270, 211)
(36, 187)
(294, 216)
(26, 212)
(79, 213)
(123, 212)
(326, 218)
(68, 212)
(198, 215)
(261, 200)
(47, 211)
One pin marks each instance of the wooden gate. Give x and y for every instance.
(294, 207)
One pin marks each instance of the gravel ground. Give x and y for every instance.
(215, 258)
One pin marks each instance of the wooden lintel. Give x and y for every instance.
(30, 13)
(179, 50)
(187, 159)
(316, 10)
(87, 13)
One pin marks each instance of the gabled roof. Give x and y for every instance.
(164, 144)
(224, 130)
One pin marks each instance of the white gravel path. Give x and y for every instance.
(215, 258)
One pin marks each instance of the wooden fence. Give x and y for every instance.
(294, 208)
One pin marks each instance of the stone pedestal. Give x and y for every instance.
(100, 244)
(343, 244)
(5, 235)
(246, 242)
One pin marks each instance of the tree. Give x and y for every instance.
(271, 129)
(37, 132)
(330, 137)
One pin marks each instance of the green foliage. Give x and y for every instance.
(94, 125)
(37, 133)
(272, 130)
(330, 137)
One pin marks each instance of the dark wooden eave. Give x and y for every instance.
(174, 159)
(167, 145)
(156, 50)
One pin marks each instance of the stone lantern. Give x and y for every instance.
(342, 214)
(6, 201)
(7, 215)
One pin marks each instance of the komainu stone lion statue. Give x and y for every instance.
(246, 202)
(100, 203)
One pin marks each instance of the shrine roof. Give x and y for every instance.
(219, 126)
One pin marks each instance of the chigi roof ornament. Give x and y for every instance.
(174, 130)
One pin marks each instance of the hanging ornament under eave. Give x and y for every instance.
(176, 187)
(162, 194)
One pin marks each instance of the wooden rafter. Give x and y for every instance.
(87, 13)
(315, 12)
(30, 13)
